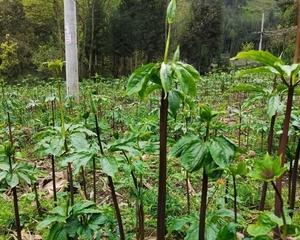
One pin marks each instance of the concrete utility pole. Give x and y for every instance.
(71, 48)
(261, 31)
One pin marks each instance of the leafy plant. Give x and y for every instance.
(269, 169)
(289, 75)
(212, 154)
(163, 76)
(82, 220)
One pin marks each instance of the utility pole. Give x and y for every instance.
(71, 48)
(261, 31)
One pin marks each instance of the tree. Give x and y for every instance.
(202, 45)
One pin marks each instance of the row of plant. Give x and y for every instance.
(225, 134)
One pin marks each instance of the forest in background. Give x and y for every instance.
(116, 36)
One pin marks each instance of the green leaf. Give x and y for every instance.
(187, 77)
(139, 79)
(78, 141)
(290, 70)
(24, 177)
(171, 11)
(56, 146)
(183, 144)
(174, 98)
(195, 156)
(263, 57)
(12, 180)
(263, 226)
(3, 175)
(274, 106)
(257, 70)
(166, 77)
(222, 151)
(206, 113)
(267, 169)
(228, 232)
(109, 166)
(4, 166)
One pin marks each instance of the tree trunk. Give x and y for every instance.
(161, 202)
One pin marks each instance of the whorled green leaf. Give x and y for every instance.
(187, 77)
(184, 143)
(257, 70)
(228, 232)
(175, 98)
(263, 226)
(139, 79)
(274, 106)
(222, 151)
(109, 166)
(262, 57)
(206, 113)
(267, 169)
(290, 70)
(193, 153)
(79, 141)
(12, 180)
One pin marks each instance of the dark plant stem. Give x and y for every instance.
(204, 190)
(240, 126)
(94, 180)
(17, 214)
(36, 198)
(84, 183)
(226, 192)
(262, 142)
(139, 203)
(14, 189)
(294, 179)
(290, 180)
(111, 184)
(187, 193)
(270, 151)
(71, 186)
(203, 205)
(235, 198)
(116, 205)
(162, 189)
(53, 159)
(54, 180)
(278, 194)
(140, 212)
(283, 144)
(281, 152)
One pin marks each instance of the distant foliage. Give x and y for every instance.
(8, 57)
